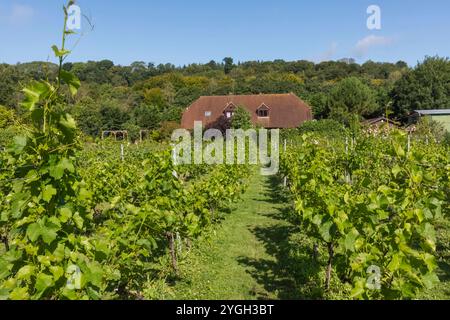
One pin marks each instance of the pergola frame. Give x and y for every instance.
(141, 134)
(123, 133)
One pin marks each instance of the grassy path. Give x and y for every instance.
(255, 253)
(246, 258)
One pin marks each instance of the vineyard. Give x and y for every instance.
(109, 217)
(86, 224)
(351, 215)
(372, 205)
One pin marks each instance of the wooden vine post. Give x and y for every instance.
(141, 135)
(284, 148)
(330, 247)
(173, 253)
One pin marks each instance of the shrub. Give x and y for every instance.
(241, 119)
(133, 131)
(165, 131)
(325, 126)
(6, 117)
(446, 140)
(431, 129)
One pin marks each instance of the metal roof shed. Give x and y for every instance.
(441, 116)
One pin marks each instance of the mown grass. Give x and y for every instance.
(223, 265)
(255, 253)
(258, 252)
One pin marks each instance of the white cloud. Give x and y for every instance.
(364, 45)
(21, 13)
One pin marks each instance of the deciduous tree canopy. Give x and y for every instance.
(145, 95)
(425, 87)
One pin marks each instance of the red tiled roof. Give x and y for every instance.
(285, 110)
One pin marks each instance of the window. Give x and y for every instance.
(229, 110)
(207, 113)
(263, 113)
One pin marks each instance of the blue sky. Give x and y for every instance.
(182, 31)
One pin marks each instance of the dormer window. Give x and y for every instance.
(263, 111)
(229, 110)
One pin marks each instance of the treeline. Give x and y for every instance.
(146, 96)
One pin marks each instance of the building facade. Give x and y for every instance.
(271, 111)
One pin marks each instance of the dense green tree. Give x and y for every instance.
(67, 66)
(319, 105)
(212, 64)
(172, 114)
(88, 120)
(113, 95)
(425, 87)
(351, 97)
(401, 64)
(155, 96)
(113, 117)
(228, 65)
(105, 65)
(335, 70)
(138, 66)
(241, 119)
(147, 117)
(133, 130)
(9, 78)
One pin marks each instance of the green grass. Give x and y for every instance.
(243, 258)
(256, 253)
(225, 268)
